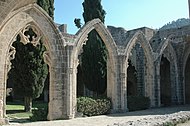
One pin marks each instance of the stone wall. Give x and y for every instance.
(63, 49)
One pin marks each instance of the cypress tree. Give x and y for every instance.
(93, 9)
(28, 72)
(48, 6)
(94, 56)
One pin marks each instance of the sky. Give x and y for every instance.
(129, 14)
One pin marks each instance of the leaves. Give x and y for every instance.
(29, 70)
(91, 107)
(94, 56)
(48, 6)
(77, 22)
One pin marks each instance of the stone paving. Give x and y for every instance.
(184, 124)
(156, 116)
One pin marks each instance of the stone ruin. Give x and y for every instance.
(159, 59)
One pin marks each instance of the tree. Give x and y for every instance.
(94, 56)
(29, 71)
(93, 9)
(48, 6)
(77, 22)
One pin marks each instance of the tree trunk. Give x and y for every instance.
(27, 104)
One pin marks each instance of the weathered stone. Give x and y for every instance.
(145, 48)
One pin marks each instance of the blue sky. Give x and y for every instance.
(129, 14)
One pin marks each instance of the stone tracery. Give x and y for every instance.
(30, 34)
(63, 51)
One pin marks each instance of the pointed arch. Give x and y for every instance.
(149, 85)
(105, 35)
(82, 36)
(164, 44)
(54, 42)
(168, 52)
(139, 37)
(186, 56)
(9, 6)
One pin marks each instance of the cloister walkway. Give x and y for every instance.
(111, 119)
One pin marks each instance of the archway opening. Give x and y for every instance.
(27, 87)
(137, 81)
(187, 81)
(131, 80)
(137, 70)
(92, 68)
(165, 82)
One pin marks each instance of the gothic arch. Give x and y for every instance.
(139, 37)
(185, 60)
(149, 85)
(32, 14)
(185, 56)
(9, 6)
(168, 52)
(164, 44)
(82, 36)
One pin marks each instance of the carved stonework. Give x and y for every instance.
(47, 57)
(86, 39)
(11, 56)
(30, 34)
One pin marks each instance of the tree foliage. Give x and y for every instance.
(94, 56)
(48, 6)
(77, 22)
(29, 70)
(93, 9)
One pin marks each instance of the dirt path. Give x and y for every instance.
(184, 124)
(111, 119)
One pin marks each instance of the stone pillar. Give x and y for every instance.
(112, 84)
(70, 81)
(57, 88)
(174, 82)
(56, 106)
(180, 91)
(122, 84)
(157, 83)
(180, 87)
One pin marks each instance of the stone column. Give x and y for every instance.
(57, 89)
(180, 92)
(157, 82)
(174, 82)
(122, 84)
(3, 79)
(70, 82)
(112, 84)
(180, 87)
(56, 106)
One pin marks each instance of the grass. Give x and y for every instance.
(15, 111)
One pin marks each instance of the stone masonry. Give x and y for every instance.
(63, 50)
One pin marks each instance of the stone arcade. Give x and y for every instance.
(160, 59)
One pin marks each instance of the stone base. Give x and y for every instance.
(4, 121)
(118, 111)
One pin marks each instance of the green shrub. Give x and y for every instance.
(39, 114)
(169, 124)
(91, 107)
(138, 103)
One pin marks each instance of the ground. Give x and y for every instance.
(112, 119)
